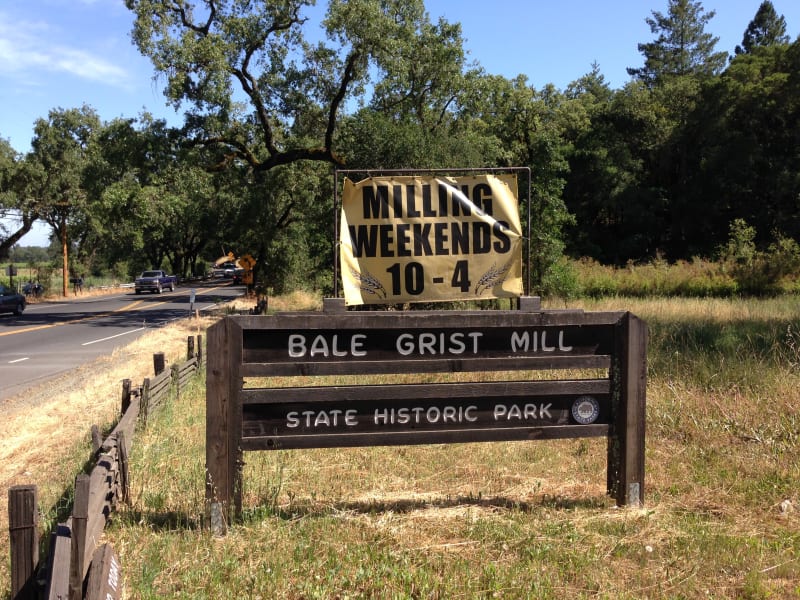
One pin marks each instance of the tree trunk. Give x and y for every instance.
(65, 261)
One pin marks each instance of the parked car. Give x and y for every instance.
(154, 281)
(11, 301)
(226, 270)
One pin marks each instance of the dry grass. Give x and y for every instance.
(45, 432)
(298, 300)
(85, 293)
(515, 520)
(727, 310)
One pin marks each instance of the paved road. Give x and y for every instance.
(50, 338)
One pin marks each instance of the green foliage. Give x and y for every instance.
(682, 47)
(54, 175)
(766, 29)
(29, 255)
(759, 271)
(741, 247)
(658, 168)
(657, 278)
(561, 281)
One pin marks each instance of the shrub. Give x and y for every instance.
(755, 271)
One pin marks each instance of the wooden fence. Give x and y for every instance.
(75, 566)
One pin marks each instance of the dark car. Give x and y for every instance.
(10, 301)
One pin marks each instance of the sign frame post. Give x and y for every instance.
(223, 424)
(626, 442)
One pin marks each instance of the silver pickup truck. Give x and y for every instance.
(154, 281)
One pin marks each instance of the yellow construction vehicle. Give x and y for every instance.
(239, 269)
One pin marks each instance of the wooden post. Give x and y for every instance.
(159, 362)
(80, 516)
(144, 402)
(23, 529)
(175, 374)
(199, 350)
(105, 576)
(126, 395)
(190, 347)
(223, 422)
(626, 443)
(97, 440)
(333, 305)
(124, 476)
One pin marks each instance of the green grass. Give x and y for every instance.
(507, 520)
(697, 278)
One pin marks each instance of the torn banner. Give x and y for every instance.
(430, 239)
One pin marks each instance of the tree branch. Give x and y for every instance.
(347, 78)
(250, 84)
(204, 29)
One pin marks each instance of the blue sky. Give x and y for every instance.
(64, 53)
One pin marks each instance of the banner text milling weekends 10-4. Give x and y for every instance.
(430, 239)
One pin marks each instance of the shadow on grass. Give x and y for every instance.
(296, 510)
(183, 521)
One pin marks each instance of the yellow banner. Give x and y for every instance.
(430, 239)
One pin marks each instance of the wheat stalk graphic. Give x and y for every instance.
(369, 284)
(492, 277)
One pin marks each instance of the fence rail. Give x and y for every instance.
(76, 565)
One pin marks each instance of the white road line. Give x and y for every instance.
(11, 362)
(111, 337)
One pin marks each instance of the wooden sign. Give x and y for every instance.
(105, 575)
(364, 345)
(410, 414)
(610, 347)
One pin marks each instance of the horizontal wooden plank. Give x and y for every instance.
(424, 319)
(390, 410)
(57, 587)
(189, 365)
(159, 390)
(409, 344)
(159, 386)
(186, 370)
(164, 377)
(418, 437)
(183, 379)
(377, 393)
(126, 424)
(433, 365)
